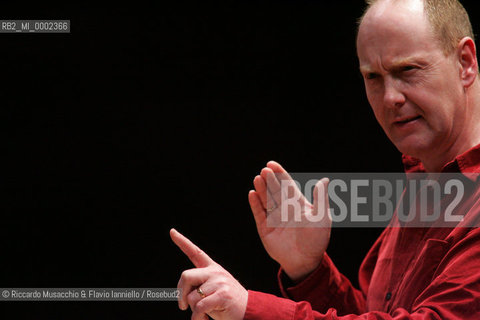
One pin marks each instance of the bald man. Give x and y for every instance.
(418, 61)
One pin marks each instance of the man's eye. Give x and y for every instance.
(408, 68)
(370, 76)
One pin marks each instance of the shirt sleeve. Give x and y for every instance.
(325, 288)
(454, 293)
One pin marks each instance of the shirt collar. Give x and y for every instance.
(467, 162)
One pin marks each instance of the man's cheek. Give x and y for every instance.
(380, 116)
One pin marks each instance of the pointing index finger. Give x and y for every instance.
(199, 258)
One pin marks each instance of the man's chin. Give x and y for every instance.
(414, 147)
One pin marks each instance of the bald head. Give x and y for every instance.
(395, 18)
(388, 26)
(448, 19)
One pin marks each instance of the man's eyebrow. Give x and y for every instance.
(366, 69)
(395, 64)
(404, 61)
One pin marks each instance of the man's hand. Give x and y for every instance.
(221, 296)
(299, 250)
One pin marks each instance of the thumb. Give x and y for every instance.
(320, 201)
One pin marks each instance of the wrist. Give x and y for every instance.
(300, 273)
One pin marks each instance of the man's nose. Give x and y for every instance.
(393, 96)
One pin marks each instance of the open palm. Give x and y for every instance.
(298, 246)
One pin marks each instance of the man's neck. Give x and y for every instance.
(467, 139)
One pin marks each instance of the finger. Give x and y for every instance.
(189, 281)
(199, 316)
(320, 200)
(279, 171)
(209, 304)
(259, 212)
(273, 187)
(199, 258)
(193, 297)
(285, 181)
(320, 194)
(261, 188)
(265, 194)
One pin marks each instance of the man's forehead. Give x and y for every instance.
(394, 34)
(397, 7)
(387, 15)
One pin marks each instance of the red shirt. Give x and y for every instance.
(409, 273)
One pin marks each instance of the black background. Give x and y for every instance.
(149, 117)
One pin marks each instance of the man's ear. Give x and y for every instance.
(468, 60)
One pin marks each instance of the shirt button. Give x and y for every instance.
(388, 296)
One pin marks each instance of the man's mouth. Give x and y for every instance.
(405, 120)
